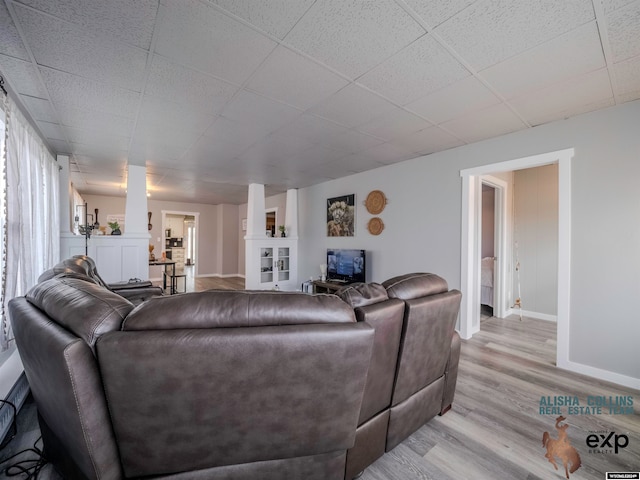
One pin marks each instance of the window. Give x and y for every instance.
(30, 220)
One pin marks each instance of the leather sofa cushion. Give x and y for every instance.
(415, 285)
(224, 308)
(363, 294)
(86, 309)
(70, 265)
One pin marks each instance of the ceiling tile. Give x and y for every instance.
(67, 47)
(429, 139)
(434, 12)
(205, 39)
(351, 141)
(410, 73)
(130, 22)
(387, 153)
(611, 5)
(275, 17)
(452, 101)
(311, 129)
(628, 97)
(93, 120)
(482, 124)
(23, 75)
(97, 138)
(359, 163)
(160, 115)
(628, 75)
(10, 41)
(623, 27)
(394, 124)
(572, 54)
(314, 156)
(565, 99)
(106, 151)
(490, 31)
(293, 79)
(224, 130)
(329, 25)
(51, 131)
(331, 170)
(186, 86)
(74, 91)
(39, 108)
(272, 150)
(208, 150)
(261, 113)
(353, 106)
(151, 143)
(59, 146)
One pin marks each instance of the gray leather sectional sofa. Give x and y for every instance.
(234, 385)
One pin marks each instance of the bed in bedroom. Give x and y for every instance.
(486, 281)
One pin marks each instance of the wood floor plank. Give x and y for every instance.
(495, 427)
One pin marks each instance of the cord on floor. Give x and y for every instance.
(29, 467)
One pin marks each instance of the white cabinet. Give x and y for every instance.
(177, 255)
(273, 264)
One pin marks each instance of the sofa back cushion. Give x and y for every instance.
(224, 308)
(208, 397)
(415, 285)
(430, 316)
(372, 305)
(361, 294)
(82, 307)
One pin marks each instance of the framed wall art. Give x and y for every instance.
(341, 212)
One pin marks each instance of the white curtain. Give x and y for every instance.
(32, 217)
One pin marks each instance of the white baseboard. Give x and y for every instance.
(600, 374)
(530, 314)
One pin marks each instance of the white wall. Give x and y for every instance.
(423, 223)
(536, 233)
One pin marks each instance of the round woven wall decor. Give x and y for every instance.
(375, 226)
(375, 202)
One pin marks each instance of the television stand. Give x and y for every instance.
(327, 287)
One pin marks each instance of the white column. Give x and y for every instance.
(135, 214)
(256, 220)
(291, 213)
(66, 198)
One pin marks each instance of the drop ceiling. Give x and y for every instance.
(214, 95)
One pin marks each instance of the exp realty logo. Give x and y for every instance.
(604, 442)
(598, 442)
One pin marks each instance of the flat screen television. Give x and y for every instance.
(346, 265)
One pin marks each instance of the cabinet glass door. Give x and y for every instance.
(266, 265)
(283, 264)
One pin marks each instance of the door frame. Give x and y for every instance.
(501, 248)
(164, 214)
(470, 262)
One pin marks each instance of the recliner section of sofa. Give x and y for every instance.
(429, 352)
(415, 359)
(218, 384)
(372, 305)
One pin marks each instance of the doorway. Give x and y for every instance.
(470, 243)
(180, 229)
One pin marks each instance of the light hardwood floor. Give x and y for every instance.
(494, 430)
